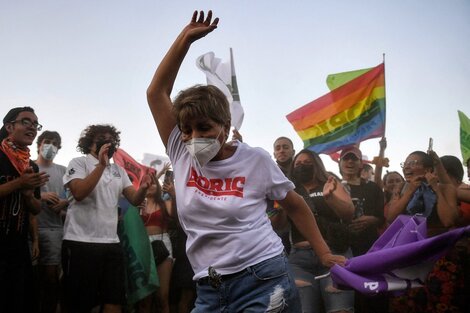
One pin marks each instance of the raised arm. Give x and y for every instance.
(159, 91)
(81, 188)
(447, 209)
(439, 168)
(137, 196)
(338, 199)
(380, 162)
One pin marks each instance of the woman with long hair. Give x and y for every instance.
(332, 207)
(155, 213)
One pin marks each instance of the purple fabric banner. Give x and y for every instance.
(400, 259)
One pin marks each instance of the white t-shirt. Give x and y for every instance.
(222, 207)
(95, 218)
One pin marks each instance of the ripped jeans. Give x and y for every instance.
(265, 287)
(317, 293)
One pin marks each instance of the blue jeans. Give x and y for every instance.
(318, 294)
(265, 287)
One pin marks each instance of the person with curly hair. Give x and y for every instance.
(92, 257)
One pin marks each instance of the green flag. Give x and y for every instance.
(141, 272)
(336, 80)
(464, 136)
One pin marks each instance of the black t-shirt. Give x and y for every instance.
(333, 230)
(368, 199)
(14, 215)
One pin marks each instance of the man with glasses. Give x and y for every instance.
(20, 182)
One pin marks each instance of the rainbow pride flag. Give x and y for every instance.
(351, 113)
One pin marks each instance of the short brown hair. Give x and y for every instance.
(201, 102)
(49, 134)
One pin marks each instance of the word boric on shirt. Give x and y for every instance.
(217, 186)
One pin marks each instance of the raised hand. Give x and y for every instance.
(166, 167)
(432, 180)
(236, 135)
(329, 187)
(435, 158)
(200, 27)
(30, 180)
(383, 143)
(103, 154)
(169, 187)
(147, 181)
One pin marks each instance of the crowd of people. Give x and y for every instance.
(230, 229)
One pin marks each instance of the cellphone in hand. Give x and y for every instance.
(168, 176)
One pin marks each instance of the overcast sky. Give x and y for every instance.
(83, 62)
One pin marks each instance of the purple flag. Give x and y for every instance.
(400, 259)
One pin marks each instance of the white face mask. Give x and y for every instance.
(203, 149)
(48, 151)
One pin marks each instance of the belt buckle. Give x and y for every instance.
(215, 279)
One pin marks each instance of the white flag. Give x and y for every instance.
(222, 75)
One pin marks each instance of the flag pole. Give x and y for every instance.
(235, 94)
(381, 161)
(385, 94)
(234, 85)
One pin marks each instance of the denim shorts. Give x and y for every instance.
(306, 266)
(265, 287)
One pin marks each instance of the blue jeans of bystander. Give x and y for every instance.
(317, 293)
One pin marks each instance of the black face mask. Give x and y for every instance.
(303, 173)
(111, 149)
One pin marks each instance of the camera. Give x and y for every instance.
(111, 149)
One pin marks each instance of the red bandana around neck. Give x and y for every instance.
(17, 156)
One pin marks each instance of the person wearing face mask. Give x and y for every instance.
(333, 209)
(20, 197)
(222, 190)
(92, 258)
(50, 220)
